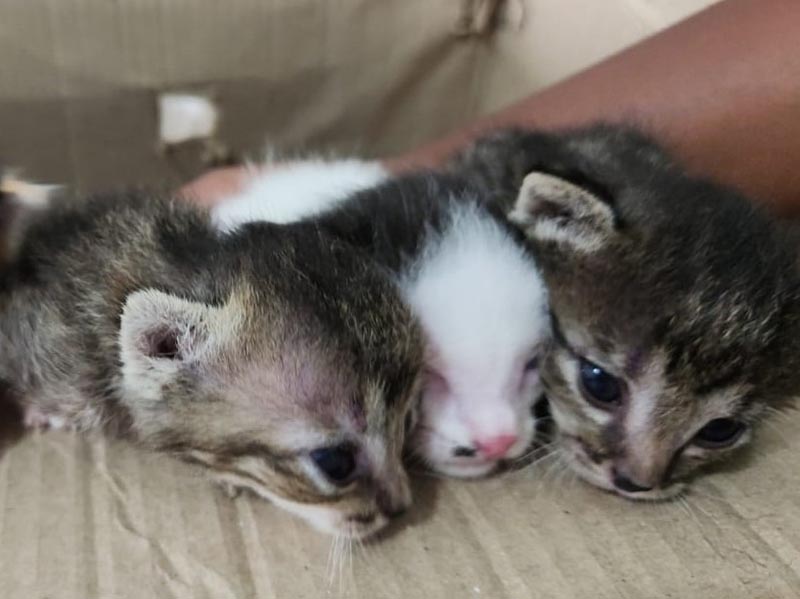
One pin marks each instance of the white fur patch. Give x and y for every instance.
(296, 191)
(482, 304)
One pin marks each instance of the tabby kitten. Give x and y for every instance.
(675, 302)
(278, 358)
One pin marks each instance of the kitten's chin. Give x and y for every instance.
(466, 469)
(325, 519)
(656, 495)
(599, 475)
(333, 522)
(337, 524)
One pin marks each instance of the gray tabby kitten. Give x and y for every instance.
(278, 358)
(675, 302)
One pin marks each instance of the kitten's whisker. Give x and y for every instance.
(561, 475)
(533, 451)
(553, 455)
(775, 429)
(784, 415)
(535, 467)
(365, 554)
(706, 495)
(340, 562)
(331, 565)
(685, 504)
(699, 508)
(330, 558)
(350, 572)
(551, 466)
(555, 471)
(342, 559)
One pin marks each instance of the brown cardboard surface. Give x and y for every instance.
(87, 518)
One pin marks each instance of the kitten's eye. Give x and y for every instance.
(601, 388)
(718, 433)
(532, 364)
(337, 463)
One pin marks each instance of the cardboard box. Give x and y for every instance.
(87, 518)
(80, 79)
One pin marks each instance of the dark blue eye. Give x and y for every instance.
(532, 364)
(719, 433)
(601, 388)
(338, 463)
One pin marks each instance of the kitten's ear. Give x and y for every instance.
(160, 332)
(550, 208)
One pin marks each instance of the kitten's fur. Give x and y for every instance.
(467, 276)
(244, 353)
(286, 193)
(679, 287)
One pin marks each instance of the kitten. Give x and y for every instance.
(465, 273)
(674, 302)
(279, 358)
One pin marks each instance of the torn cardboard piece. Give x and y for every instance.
(184, 116)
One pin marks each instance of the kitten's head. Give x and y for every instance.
(300, 396)
(675, 312)
(483, 309)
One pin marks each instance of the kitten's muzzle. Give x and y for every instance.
(656, 485)
(392, 505)
(610, 473)
(365, 519)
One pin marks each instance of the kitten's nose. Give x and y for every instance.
(624, 483)
(392, 506)
(496, 447)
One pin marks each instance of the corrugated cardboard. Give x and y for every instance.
(86, 518)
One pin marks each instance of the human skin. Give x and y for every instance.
(721, 89)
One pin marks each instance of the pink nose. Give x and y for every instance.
(495, 447)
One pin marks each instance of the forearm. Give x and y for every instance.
(722, 89)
